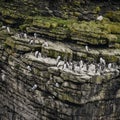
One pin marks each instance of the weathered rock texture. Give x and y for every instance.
(60, 95)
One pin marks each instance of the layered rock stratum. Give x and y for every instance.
(61, 94)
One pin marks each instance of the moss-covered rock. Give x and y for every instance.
(55, 51)
(16, 46)
(117, 45)
(10, 42)
(94, 33)
(113, 16)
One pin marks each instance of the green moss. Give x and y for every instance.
(42, 24)
(76, 3)
(54, 53)
(111, 38)
(17, 66)
(54, 25)
(36, 71)
(118, 39)
(113, 16)
(98, 79)
(113, 28)
(67, 98)
(108, 76)
(16, 46)
(24, 26)
(117, 45)
(95, 33)
(97, 9)
(111, 58)
(9, 42)
(9, 21)
(1, 24)
(22, 48)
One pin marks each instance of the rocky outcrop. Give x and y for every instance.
(60, 94)
(35, 88)
(71, 21)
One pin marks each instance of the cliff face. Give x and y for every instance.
(61, 94)
(71, 21)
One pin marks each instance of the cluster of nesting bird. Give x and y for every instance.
(25, 36)
(31, 40)
(88, 67)
(79, 67)
(82, 66)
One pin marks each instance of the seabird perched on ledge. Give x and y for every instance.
(3, 76)
(81, 63)
(102, 61)
(35, 35)
(37, 54)
(100, 18)
(25, 35)
(8, 29)
(64, 66)
(57, 84)
(34, 87)
(109, 66)
(31, 42)
(86, 48)
(29, 68)
(58, 58)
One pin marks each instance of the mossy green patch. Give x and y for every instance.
(24, 26)
(17, 66)
(97, 9)
(113, 16)
(67, 97)
(98, 80)
(50, 52)
(10, 42)
(110, 58)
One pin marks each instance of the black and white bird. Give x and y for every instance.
(58, 59)
(29, 68)
(100, 18)
(86, 48)
(35, 35)
(37, 54)
(109, 66)
(3, 76)
(60, 64)
(81, 63)
(64, 66)
(31, 42)
(25, 35)
(8, 29)
(34, 87)
(102, 61)
(57, 84)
